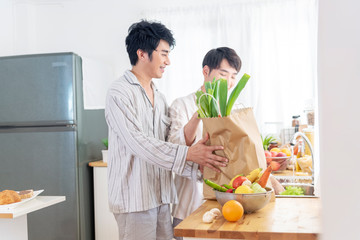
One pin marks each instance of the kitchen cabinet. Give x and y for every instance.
(105, 223)
(285, 218)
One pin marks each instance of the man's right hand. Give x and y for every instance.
(203, 155)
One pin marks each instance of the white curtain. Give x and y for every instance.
(276, 40)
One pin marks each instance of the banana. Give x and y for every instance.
(259, 176)
(253, 175)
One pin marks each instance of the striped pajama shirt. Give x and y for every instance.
(140, 162)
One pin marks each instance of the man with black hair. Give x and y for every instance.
(140, 182)
(186, 127)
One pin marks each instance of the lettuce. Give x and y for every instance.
(289, 190)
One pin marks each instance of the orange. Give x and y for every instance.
(232, 210)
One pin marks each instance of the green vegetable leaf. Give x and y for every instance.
(236, 92)
(267, 140)
(289, 190)
(214, 104)
(222, 95)
(204, 104)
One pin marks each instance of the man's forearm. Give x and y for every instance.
(190, 129)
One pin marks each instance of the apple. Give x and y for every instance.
(268, 156)
(273, 154)
(275, 165)
(238, 181)
(281, 155)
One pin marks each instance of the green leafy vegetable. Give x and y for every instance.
(204, 104)
(216, 103)
(267, 140)
(236, 92)
(289, 190)
(222, 95)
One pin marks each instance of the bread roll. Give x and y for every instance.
(8, 197)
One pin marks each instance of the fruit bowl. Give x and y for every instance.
(280, 162)
(250, 201)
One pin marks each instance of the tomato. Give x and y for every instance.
(238, 181)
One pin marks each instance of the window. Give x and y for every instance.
(276, 40)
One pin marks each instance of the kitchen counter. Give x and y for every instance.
(285, 218)
(13, 222)
(105, 223)
(98, 164)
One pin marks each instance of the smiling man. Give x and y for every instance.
(186, 127)
(140, 182)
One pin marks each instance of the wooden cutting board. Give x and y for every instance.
(284, 219)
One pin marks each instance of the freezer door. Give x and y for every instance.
(38, 89)
(44, 159)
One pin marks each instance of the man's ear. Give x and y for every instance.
(141, 54)
(206, 70)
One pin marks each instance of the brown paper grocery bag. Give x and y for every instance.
(240, 136)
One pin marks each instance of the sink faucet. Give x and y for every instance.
(293, 140)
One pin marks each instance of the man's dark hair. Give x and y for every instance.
(214, 57)
(146, 36)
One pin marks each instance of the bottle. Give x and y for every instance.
(309, 133)
(301, 149)
(300, 154)
(296, 122)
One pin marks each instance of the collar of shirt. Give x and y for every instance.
(132, 79)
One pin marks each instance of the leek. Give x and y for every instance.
(203, 104)
(236, 92)
(214, 102)
(222, 95)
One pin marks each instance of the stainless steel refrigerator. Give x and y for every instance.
(47, 140)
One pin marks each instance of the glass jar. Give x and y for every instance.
(273, 145)
(310, 115)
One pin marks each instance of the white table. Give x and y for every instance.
(13, 222)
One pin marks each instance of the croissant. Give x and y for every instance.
(9, 196)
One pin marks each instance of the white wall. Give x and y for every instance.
(90, 28)
(339, 98)
(94, 29)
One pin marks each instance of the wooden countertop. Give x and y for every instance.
(285, 218)
(98, 164)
